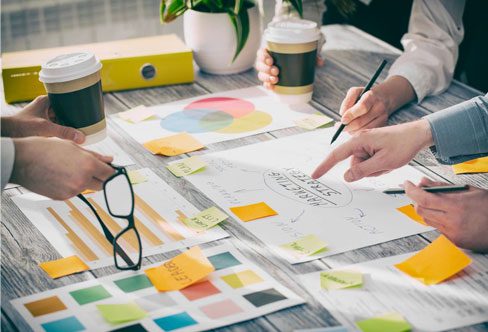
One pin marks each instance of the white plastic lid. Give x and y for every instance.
(292, 31)
(68, 67)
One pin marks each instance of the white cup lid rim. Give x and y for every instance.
(68, 67)
(292, 31)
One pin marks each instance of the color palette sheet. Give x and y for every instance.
(159, 211)
(237, 291)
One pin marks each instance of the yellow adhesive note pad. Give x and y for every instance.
(409, 211)
(479, 165)
(393, 322)
(121, 313)
(253, 211)
(137, 114)
(205, 219)
(305, 246)
(340, 279)
(181, 271)
(186, 166)
(438, 261)
(136, 177)
(64, 266)
(313, 121)
(173, 145)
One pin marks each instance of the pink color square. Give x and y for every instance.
(221, 309)
(200, 290)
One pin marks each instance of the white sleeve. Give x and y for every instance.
(8, 158)
(431, 46)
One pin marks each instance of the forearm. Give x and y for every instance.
(395, 91)
(8, 126)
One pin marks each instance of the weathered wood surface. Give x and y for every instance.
(351, 56)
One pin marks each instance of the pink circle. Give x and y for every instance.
(233, 106)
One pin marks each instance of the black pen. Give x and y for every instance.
(366, 89)
(434, 189)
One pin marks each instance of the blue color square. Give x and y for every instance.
(173, 322)
(69, 324)
(223, 260)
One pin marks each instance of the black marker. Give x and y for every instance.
(438, 189)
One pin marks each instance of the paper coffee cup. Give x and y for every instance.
(292, 43)
(74, 87)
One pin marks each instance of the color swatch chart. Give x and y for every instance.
(73, 229)
(236, 291)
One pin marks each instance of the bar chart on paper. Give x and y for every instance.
(72, 228)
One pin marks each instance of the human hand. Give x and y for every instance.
(38, 119)
(461, 216)
(58, 169)
(378, 151)
(267, 73)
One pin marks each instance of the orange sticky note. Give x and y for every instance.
(181, 271)
(88, 191)
(174, 145)
(438, 261)
(253, 211)
(479, 165)
(409, 211)
(64, 266)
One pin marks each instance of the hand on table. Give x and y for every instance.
(461, 216)
(267, 73)
(378, 151)
(38, 119)
(58, 169)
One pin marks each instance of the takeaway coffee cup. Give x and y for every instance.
(292, 44)
(73, 84)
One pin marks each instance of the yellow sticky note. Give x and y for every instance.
(137, 114)
(313, 121)
(64, 266)
(479, 165)
(121, 313)
(88, 191)
(393, 322)
(305, 246)
(173, 145)
(136, 177)
(253, 211)
(438, 261)
(186, 166)
(409, 211)
(205, 219)
(181, 271)
(340, 279)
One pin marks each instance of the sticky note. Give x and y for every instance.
(121, 313)
(64, 266)
(438, 261)
(409, 211)
(340, 279)
(174, 145)
(479, 165)
(88, 191)
(181, 271)
(137, 114)
(253, 211)
(392, 322)
(205, 219)
(313, 121)
(186, 166)
(305, 246)
(136, 177)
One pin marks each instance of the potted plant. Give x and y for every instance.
(223, 34)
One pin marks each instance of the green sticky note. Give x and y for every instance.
(121, 313)
(331, 280)
(90, 294)
(135, 177)
(393, 322)
(206, 219)
(305, 246)
(313, 121)
(186, 166)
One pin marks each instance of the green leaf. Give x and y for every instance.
(241, 27)
(171, 9)
(297, 5)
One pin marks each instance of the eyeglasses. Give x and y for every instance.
(119, 198)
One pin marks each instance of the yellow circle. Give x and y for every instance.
(252, 121)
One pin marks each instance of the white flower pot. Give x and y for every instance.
(212, 38)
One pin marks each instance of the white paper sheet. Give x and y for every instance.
(457, 302)
(346, 216)
(108, 147)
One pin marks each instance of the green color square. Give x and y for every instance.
(223, 260)
(90, 294)
(134, 283)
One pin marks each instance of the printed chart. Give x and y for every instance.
(108, 147)
(345, 216)
(73, 229)
(218, 117)
(457, 302)
(238, 290)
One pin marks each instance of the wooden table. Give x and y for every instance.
(351, 57)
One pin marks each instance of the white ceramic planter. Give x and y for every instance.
(213, 41)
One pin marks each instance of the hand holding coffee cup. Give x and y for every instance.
(73, 84)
